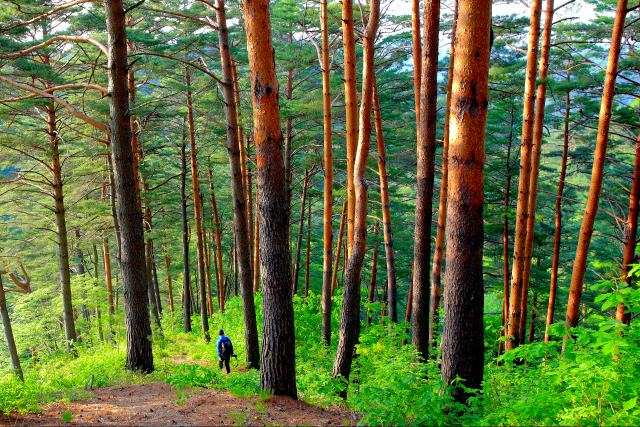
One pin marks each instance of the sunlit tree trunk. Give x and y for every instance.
(374, 267)
(515, 304)
(277, 371)
(350, 314)
(425, 177)
(586, 229)
(139, 351)
(308, 254)
(218, 260)
(436, 271)
(463, 329)
(535, 162)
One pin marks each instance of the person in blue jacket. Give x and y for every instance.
(224, 348)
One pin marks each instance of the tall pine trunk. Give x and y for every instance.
(462, 338)
(296, 267)
(186, 289)
(515, 304)
(425, 177)
(139, 351)
(343, 219)
(8, 333)
(586, 229)
(277, 372)
(350, 314)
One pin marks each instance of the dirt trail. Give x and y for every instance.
(161, 405)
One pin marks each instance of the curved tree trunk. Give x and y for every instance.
(350, 315)
(586, 230)
(139, 351)
(515, 305)
(425, 177)
(463, 330)
(278, 372)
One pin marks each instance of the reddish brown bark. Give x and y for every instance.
(350, 314)
(296, 267)
(8, 333)
(277, 371)
(338, 249)
(515, 304)
(374, 269)
(425, 177)
(463, 329)
(586, 230)
(308, 254)
(442, 207)
(197, 207)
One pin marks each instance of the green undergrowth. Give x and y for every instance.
(595, 381)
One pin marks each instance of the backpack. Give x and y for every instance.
(226, 349)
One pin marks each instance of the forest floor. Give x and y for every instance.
(161, 404)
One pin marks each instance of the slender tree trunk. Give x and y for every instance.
(417, 58)
(515, 306)
(186, 290)
(139, 351)
(343, 218)
(351, 102)
(558, 233)
(463, 330)
(296, 267)
(198, 215)
(505, 239)
(350, 314)
(386, 209)
(114, 212)
(630, 246)
(438, 253)
(8, 333)
(277, 373)
(107, 275)
(586, 230)
(256, 254)
(219, 267)
(306, 271)
(407, 315)
(207, 258)
(374, 266)
(98, 310)
(239, 190)
(327, 272)
(425, 177)
(535, 162)
(533, 315)
(61, 223)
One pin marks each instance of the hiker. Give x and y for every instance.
(225, 350)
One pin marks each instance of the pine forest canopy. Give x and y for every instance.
(464, 189)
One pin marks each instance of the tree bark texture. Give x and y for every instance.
(61, 224)
(327, 273)
(535, 162)
(343, 219)
(522, 211)
(186, 290)
(8, 333)
(462, 338)
(139, 351)
(438, 253)
(558, 229)
(197, 207)
(586, 229)
(425, 177)
(277, 373)
(350, 314)
(386, 209)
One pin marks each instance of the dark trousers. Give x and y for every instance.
(225, 360)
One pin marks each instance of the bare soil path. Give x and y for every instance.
(159, 404)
